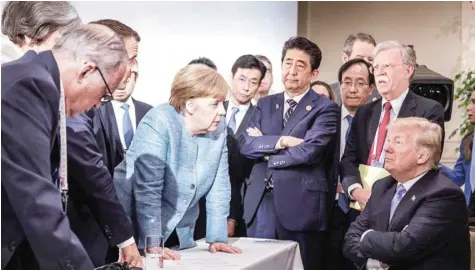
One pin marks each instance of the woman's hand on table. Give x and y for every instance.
(168, 254)
(223, 247)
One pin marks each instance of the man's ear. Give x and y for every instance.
(344, 58)
(315, 74)
(410, 70)
(423, 156)
(86, 71)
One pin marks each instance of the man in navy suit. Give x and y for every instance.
(416, 218)
(36, 233)
(292, 138)
(95, 212)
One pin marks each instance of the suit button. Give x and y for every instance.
(12, 246)
(192, 186)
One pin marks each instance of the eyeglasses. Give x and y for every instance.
(383, 67)
(107, 97)
(358, 85)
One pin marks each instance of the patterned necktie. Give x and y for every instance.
(127, 126)
(400, 191)
(349, 118)
(232, 120)
(382, 130)
(288, 113)
(472, 165)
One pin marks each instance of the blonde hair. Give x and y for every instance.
(428, 135)
(196, 81)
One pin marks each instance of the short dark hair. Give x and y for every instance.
(352, 62)
(119, 28)
(204, 61)
(305, 45)
(350, 41)
(249, 61)
(327, 86)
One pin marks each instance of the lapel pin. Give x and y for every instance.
(308, 108)
(413, 198)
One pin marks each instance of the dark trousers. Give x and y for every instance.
(335, 236)
(263, 224)
(310, 243)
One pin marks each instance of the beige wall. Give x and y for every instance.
(440, 32)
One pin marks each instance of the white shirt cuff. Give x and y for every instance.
(364, 234)
(373, 264)
(277, 145)
(126, 243)
(353, 187)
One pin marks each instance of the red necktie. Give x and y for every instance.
(381, 133)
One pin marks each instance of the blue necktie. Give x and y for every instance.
(127, 126)
(232, 120)
(342, 199)
(400, 191)
(472, 165)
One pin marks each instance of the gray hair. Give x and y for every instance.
(37, 20)
(351, 39)
(408, 54)
(96, 44)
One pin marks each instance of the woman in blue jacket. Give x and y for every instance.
(178, 155)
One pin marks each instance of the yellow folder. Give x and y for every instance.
(369, 175)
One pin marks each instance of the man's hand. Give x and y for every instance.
(167, 255)
(223, 247)
(253, 132)
(289, 141)
(231, 227)
(361, 196)
(131, 255)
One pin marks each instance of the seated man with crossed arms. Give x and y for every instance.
(416, 218)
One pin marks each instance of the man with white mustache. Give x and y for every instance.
(393, 67)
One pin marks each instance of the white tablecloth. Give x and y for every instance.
(258, 254)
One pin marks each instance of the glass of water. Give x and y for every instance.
(154, 250)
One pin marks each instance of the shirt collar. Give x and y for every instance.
(296, 98)
(242, 108)
(396, 103)
(411, 182)
(344, 112)
(119, 104)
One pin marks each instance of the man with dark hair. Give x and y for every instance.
(289, 137)
(247, 73)
(355, 82)
(204, 61)
(359, 45)
(266, 83)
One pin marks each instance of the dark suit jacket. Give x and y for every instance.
(365, 124)
(107, 133)
(96, 215)
(32, 212)
(428, 230)
(304, 185)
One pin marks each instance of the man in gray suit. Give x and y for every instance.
(359, 45)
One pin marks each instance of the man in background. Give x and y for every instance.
(266, 83)
(359, 45)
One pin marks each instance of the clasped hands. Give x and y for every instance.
(213, 248)
(285, 141)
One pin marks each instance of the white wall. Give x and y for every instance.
(173, 33)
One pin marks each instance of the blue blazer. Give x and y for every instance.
(304, 176)
(460, 174)
(166, 171)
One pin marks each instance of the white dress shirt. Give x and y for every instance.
(239, 115)
(373, 264)
(286, 107)
(119, 117)
(396, 105)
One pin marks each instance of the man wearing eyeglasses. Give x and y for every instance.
(393, 68)
(356, 83)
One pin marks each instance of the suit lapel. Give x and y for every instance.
(305, 106)
(277, 111)
(408, 108)
(245, 119)
(48, 59)
(383, 209)
(373, 124)
(410, 199)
